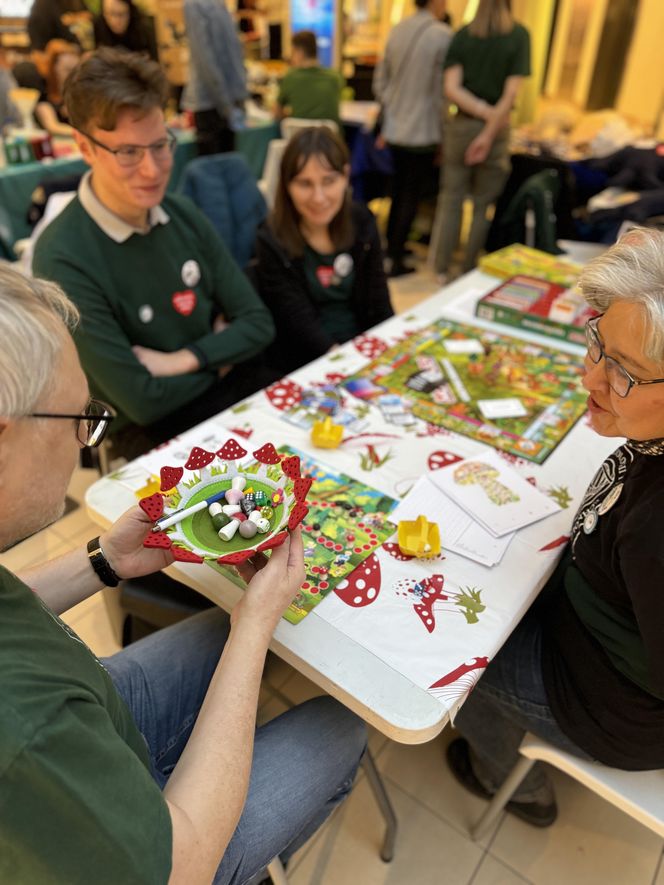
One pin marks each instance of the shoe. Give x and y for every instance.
(536, 814)
(399, 269)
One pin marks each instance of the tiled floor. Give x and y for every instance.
(591, 843)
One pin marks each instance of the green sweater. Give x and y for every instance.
(161, 290)
(78, 803)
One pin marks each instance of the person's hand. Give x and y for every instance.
(220, 323)
(162, 365)
(123, 546)
(478, 150)
(271, 584)
(380, 142)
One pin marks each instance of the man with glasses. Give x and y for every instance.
(171, 327)
(145, 767)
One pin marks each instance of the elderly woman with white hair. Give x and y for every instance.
(585, 668)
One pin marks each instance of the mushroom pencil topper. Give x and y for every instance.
(419, 538)
(212, 509)
(326, 434)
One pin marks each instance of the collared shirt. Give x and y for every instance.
(112, 225)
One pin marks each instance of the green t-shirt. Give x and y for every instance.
(77, 801)
(312, 93)
(488, 61)
(331, 279)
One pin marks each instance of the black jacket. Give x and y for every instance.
(282, 284)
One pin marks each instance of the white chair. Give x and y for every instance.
(267, 184)
(291, 125)
(640, 794)
(277, 873)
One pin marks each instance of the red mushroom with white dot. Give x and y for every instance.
(362, 585)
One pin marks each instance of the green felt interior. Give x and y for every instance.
(198, 529)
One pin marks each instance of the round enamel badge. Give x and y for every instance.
(191, 272)
(145, 313)
(343, 264)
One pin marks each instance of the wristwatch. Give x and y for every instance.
(101, 565)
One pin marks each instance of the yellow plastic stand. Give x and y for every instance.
(419, 538)
(326, 434)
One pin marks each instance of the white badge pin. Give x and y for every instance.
(343, 264)
(191, 272)
(145, 313)
(610, 499)
(590, 521)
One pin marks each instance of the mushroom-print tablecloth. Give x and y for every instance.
(438, 622)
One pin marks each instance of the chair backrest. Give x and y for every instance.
(638, 793)
(291, 125)
(531, 214)
(224, 188)
(270, 179)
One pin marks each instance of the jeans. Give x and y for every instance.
(509, 700)
(213, 133)
(483, 183)
(304, 761)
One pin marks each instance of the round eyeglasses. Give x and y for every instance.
(620, 381)
(129, 155)
(92, 424)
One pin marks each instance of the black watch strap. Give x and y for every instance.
(101, 565)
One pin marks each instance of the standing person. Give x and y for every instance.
(217, 87)
(147, 767)
(171, 326)
(584, 670)
(121, 23)
(408, 82)
(309, 91)
(319, 265)
(484, 69)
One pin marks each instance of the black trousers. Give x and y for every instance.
(213, 134)
(412, 173)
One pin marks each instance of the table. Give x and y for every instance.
(335, 646)
(18, 182)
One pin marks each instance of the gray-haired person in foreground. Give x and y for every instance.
(146, 767)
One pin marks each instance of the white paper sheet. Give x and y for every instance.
(494, 494)
(458, 531)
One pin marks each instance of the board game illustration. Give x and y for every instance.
(514, 395)
(346, 523)
(328, 401)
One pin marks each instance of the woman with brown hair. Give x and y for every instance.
(484, 68)
(319, 265)
(55, 64)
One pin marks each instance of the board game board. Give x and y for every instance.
(346, 523)
(519, 397)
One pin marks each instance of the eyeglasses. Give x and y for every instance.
(129, 155)
(92, 424)
(620, 381)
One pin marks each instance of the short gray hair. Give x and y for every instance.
(631, 270)
(34, 318)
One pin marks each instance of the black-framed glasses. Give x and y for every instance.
(620, 381)
(92, 424)
(129, 155)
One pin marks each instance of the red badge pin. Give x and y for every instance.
(325, 275)
(184, 302)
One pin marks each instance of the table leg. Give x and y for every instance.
(383, 800)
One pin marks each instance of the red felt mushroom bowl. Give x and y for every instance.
(264, 489)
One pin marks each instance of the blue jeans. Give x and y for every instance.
(304, 761)
(509, 700)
